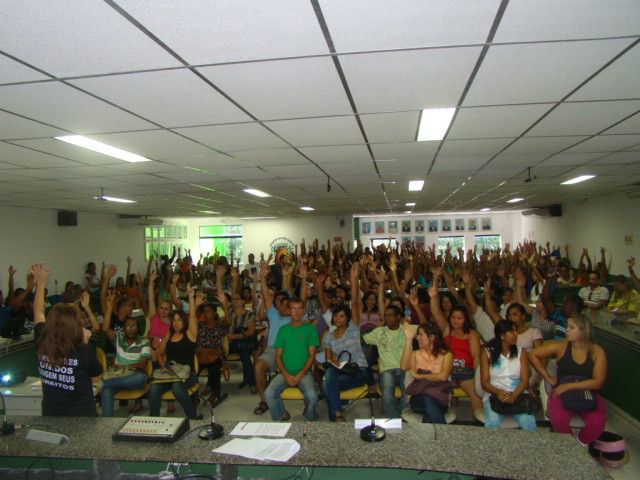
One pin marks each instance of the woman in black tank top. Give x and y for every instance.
(179, 345)
(578, 354)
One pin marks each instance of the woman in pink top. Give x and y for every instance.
(159, 319)
(432, 356)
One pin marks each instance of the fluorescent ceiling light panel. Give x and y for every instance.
(410, 204)
(514, 200)
(416, 185)
(307, 208)
(257, 193)
(579, 179)
(434, 123)
(103, 148)
(114, 199)
(257, 218)
(486, 209)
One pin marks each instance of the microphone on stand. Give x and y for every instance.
(208, 432)
(7, 427)
(372, 433)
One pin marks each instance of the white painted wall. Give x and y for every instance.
(32, 235)
(258, 234)
(594, 223)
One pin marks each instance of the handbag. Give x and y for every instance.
(206, 356)
(349, 368)
(118, 372)
(172, 372)
(461, 373)
(525, 403)
(439, 391)
(578, 400)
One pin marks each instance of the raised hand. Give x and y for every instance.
(12, 271)
(38, 272)
(631, 261)
(413, 298)
(111, 271)
(85, 300)
(407, 330)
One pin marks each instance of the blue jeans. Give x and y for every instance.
(179, 390)
(494, 420)
(389, 379)
(432, 411)
(114, 385)
(336, 382)
(307, 386)
(246, 352)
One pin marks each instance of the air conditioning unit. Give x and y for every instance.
(550, 211)
(132, 222)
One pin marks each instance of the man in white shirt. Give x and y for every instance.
(595, 296)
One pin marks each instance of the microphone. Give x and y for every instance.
(7, 427)
(208, 432)
(373, 433)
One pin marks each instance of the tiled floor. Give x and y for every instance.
(240, 405)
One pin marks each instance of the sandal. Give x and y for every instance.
(286, 417)
(340, 418)
(261, 408)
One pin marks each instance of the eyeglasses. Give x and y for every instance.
(130, 327)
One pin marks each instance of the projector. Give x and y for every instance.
(12, 379)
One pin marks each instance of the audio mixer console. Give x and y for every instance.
(152, 429)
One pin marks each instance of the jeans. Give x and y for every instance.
(179, 390)
(307, 386)
(213, 379)
(494, 420)
(246, 352)
(114, 385)
(432, 411)
(389, 379)
(336, 382)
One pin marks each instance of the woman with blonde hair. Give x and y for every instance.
(66, 363)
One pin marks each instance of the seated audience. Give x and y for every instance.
(577, 355)
(624, 300)
(595, 296)
(504, 372)
(210, 351)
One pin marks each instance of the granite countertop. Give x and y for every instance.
(457, 449)
(616, 328)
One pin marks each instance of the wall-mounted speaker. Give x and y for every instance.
(67, 218)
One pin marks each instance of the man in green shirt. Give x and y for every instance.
(295, 346)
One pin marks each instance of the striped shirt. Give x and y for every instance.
(128, 354)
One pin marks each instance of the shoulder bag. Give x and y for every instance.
(578, 400)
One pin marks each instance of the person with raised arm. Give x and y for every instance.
(159, 313)
(179, 345)
(132, 350)
(571, 305)
(67, 365)
(210, 351)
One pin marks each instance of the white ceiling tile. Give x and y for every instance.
(229, 138)
(620, 157)
(142, 167)
(283, 89)
(408, 150)
(80, 156)
(275, 156)
(391, 127)
(244, 174)
(538, 72)
(586, 118)
(337, 169)
(337, 154)
(66, 108)
(25, 157)
(494, 122)
(514, 161)
(459, 166)
(98, 182)
(293, 171)
(632, 125)
(171, 98)
(12, 71)
(380, 24)
(410, 80)
(470, 148)
(570, 19)
(46, 173)
(606, 143)
(13, 127)
(568, 159)
(76, 37)
(618, 81)
(403, 166)
(539, 145)
(311, 132)
(223, 31)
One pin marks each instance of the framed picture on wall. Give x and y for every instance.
(379, 227)
(473, 225)
(419, 239)
(393, 226)
(406, 239)
(433, 226)
(486, 224)
(406, 226)
(446, 225)
(459, 224)
(419, 226)
(366, 228)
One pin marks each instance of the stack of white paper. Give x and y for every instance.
(277, 450)
(258, 429)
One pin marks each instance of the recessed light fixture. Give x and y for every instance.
(114, 199)
(257, 218)
(579, 179)
(408, 211)
(485, 209)
(257, 193)
(410, 204)
(514, 200)
(103, 148)
(307, 208)
(209, 212)
(434, 123)
(416, 185)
